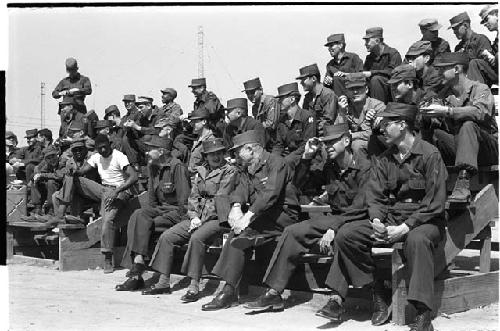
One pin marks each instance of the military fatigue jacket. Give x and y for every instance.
(31, 154)
(81, 82)
(474, 46)
(429, 81)
(292, 135)
(196, 157)
(168, 185)
(411, 190)
(13, 154)
(348, 63)
(267, 111)
(172, 110)
(48, 171)
(439, 46)
(322, 104)
(210, 102)
(360, 127)
(268, 186)
(243, 124)
(77, 118)
(382, 64)
(209, 185)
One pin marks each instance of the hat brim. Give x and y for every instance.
(454, 25)
(389, 115)
(333, 41)
(395, 80)
(78, 145)
(211, 150)
(128, 100)
(250, 89)
(355, 85)
(331, 137)
(443, 64)
(195, 85)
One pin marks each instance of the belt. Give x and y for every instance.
(409, 200)
(109, 186)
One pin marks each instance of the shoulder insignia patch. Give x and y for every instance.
(310, 119)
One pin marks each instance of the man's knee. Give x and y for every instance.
(416, 239)
(296, 230)
(167, 237)
(469, 127)
(378, 80)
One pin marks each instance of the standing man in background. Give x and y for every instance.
(75, 85)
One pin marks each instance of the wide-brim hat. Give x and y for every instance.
(331, 132)
(213, 145)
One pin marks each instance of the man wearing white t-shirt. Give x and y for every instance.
(117, 177)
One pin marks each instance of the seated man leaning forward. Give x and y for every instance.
(405, 199)
(208, 208)
(266, 187)
(168, 191)
(117, 177)
(347, 177)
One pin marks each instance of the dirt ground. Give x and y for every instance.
(43, 298)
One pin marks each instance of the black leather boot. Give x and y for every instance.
(461, 191)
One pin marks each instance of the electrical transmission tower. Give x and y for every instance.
(201, 69)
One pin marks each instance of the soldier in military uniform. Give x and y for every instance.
(469, 136)
(429, 27)
(265, 109)
(209, 101)
(75, 85)
(132, 112)
(419, 55)
(202, 128)
(404, 85)
(478, 48)
(379, 63)
(207, 210)
(238, 121)
(30, 155)
(169, 129)
(170, 108)
(12, 161)
(296, 126)
(168, 191)
(489, 18)
(345, 175)
(71, 117)
(341, 65)
(44, 137)
(267, 188)
(320, 101)
(405, 201)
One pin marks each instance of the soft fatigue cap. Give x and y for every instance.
(78, 143)
(195, 82)
(112, 109)
(45, 132)
(9, 135)
(167, 121)
(402, 72)
(335, 38)
(486, 11)
(143, 100)
(430, 24)
(331, 132)
(213, 145)
(451, 58)
(31, 133)
(237, 103)
(375, 32)
(355, 79)
(459, 19)
(129, 97)
(50, 150)
(101, 124)
(200, 113)
(287, 89)
(71, 64)
(160, 142)
(308, 71)
(252, 84)
(421, 47)
(396, 110)
(247, 137)
(170, 91)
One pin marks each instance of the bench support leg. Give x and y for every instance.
(399, 294)
(485, 252)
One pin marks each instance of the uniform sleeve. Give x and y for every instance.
(227, 183)
(182, 189)
(433, 204)
(366, 126)
(195, 159)
(271, 108)
(483, 43)
(34, 157)
(86, 87)
(301, 174)
(57, 89)
(176, 111)
(268, 196)
(330, 110)
(193, 199)
(241, 193)
(482, 102)
(394, 61)
(214, 107)
(376, 192)
(357, 63)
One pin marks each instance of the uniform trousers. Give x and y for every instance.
(198, 240)
(297, 239)
(471, 146)
(270, 225)
(42, 191)
(353, 262)
(338, 86)
(379, 88)
(481, 71)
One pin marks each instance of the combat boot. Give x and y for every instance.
(423, 321)
(461, 191)
(381, 311)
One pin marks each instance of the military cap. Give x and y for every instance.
(430, 24)
(375, 32)
(331, 132)
(112, 109)
(252, 84)
(45, 132)
(237, 103)
(75, 126)
(31, 133)
(396, 110)
(355, 79)
(67, 100)
(284, 90)
(420, 47)
(9, 142)
(143, 99)
(213, 145)
(309, 70)
(195, 82)
(459, 19)
(170, 91)
(9, 135)
(129, 97)
(200, 113)
(335, 38)
(77, 143)
(248, 137)
(448, 59)
(71, 64)
(486, 11)
(402, 72)
(160, 142)
(101, 124)
(90, 143)
(170, 121)
(50, 150)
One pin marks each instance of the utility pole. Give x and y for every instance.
(42, 105)
(201, 69)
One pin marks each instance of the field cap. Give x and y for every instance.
(31, 133)
(129, 97)
(195, 82)
(335, 38)
(459, 19)
(375, 32)
(430, 24)
(308, 71)
(237, 103)
(247, 137)
(355, 79)
(112, 109)
(331, 132)
(170, 91)
(201, 113)
(213, 145)
(287, 89)
(144, 99)
(396, 110)
(252, 84)
(486, 11)
(402, 72)
(420, 47)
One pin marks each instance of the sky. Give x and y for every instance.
(140, 50)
